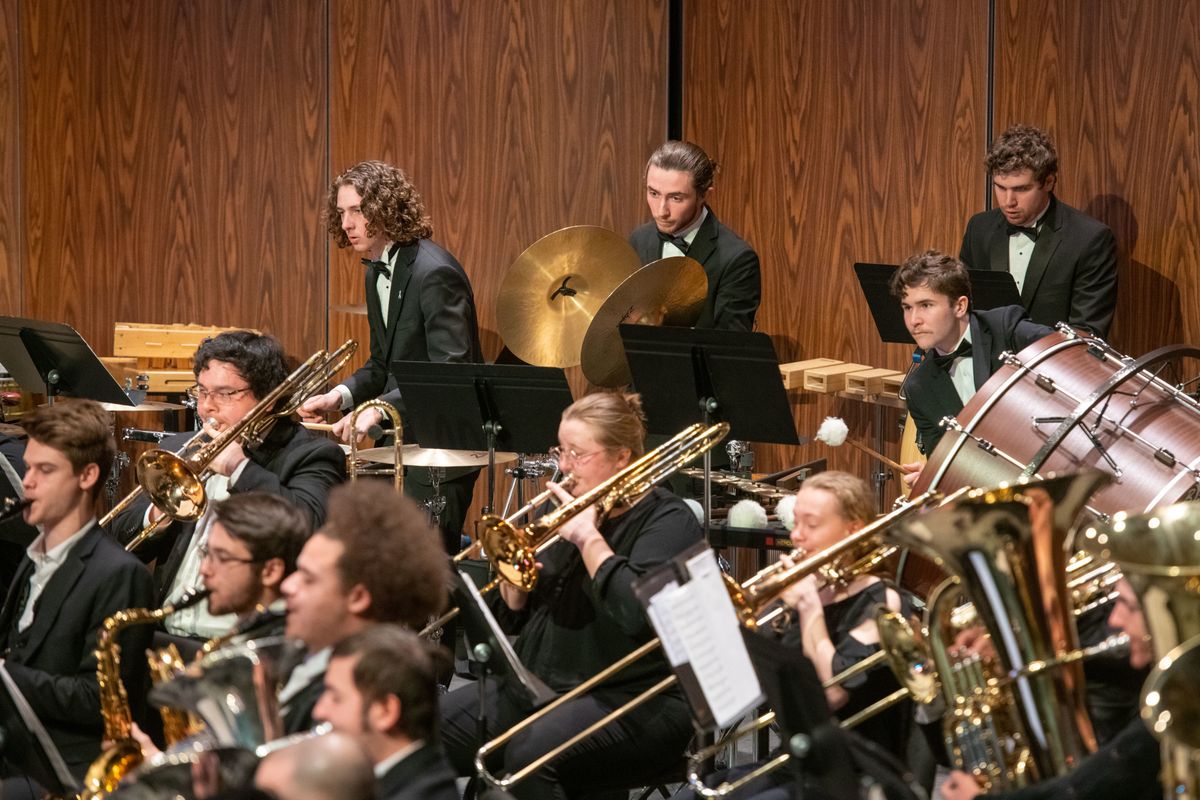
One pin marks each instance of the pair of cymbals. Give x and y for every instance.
(563, 298)
(415, 456)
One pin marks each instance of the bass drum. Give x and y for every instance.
(1068, 402)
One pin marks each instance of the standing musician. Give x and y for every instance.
(679, 184)
(581, 617)
(70, 579)
(1064, 262)
(962, 347)
(420, 307)
(376, 559)
(234, 371)
(381, 688)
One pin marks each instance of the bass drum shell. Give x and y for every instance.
(1136, 422)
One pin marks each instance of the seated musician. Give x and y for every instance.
(253, 546)
(1125, 768)
(234, 370)
(962, 347)
(381, 688)
(376, 559)
(69, 580)
(581, 617)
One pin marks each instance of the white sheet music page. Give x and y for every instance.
(708, 627)
(660, 618)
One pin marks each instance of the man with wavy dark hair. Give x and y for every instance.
(1064, 262)
(419, 305)
(376, 559)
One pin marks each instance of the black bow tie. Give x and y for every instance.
(962, 351)
(377, 268)
(678, 241)
(1031, 232)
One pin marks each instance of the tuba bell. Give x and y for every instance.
(1018, 715)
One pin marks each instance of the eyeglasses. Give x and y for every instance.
(561, 455)
(221, 557)
(221, 396)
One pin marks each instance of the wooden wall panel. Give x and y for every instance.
(848, 131)
(173, 159)
(1117, 84)
(10, 201)
(514, 119)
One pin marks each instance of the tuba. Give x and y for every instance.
(124, 753)
(1159, 552)
(1016, 716)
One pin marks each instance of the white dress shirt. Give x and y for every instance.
(45, 564)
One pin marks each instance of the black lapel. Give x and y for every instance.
(401, 275)
(981, 352)
(998, 245)
(705, 242)
(14, 591)
(1049, 237)
(374, 311)
(59, 587)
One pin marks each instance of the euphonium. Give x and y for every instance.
(124, 753)
(1008, 548)
(1159, 552)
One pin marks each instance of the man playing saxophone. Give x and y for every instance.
(72, 577)
(234, 371)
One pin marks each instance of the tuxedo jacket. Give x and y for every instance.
(431, 317)
(1072, 275)
(53, 661)
(930, 391)
(292, 462)
(734, 283)
(423, 774)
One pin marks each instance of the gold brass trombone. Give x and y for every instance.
(354, 466)
(174, 482)
(750, 600)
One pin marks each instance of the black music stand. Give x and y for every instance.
(490, 648)
(482, 407)
(27, 744)
(688, 375)
(53, 359)
(989, 289)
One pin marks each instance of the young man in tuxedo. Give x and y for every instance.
(962, 347)
(234, 371)
(420, 308)
(376, 559)
(72, 577)
(679, 185)
(1064, 262)
(381, 688)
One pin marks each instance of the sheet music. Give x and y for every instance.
(665, 627)
(700, 616)
(38, 730)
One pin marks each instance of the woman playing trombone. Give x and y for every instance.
(582, 616)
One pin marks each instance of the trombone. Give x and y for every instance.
(354, 466)
(175, 481)
(512, 552)
(749, 600)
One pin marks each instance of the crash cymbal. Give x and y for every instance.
(415, 456)
(669, 291)
(553, 289)
(359, 309)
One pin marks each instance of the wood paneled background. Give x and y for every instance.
(166, 160)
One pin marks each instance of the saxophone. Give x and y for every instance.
(123, 753)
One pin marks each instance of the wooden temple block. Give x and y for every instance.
(892, 384)
(793, 371)
(869, 381)
(831, 378)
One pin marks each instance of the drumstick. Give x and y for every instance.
(834, 431)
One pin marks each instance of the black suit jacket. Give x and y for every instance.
(423, 774)
(734, 283)
(929, 389)
(431, 317)
(292, 462)
(1072, 275)
(53, 661)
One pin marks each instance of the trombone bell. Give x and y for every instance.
(172, 485)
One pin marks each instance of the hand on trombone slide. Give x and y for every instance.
(229, 459)
(313, 410)
(581, 531)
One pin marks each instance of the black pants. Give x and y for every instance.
(647, 743)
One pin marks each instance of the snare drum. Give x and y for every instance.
(1069, 402)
